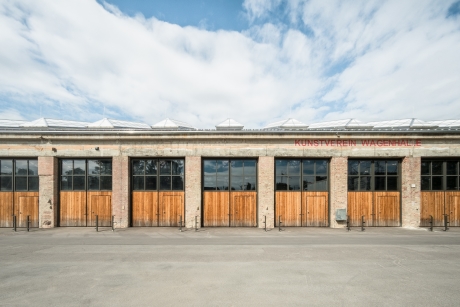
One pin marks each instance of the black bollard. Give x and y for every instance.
(446, 222)
(97, 223)
(265, 222)
(113, 222)
(348, 223)
(362, 223)
(431, 223)
(28, 223)
(180, 223)
(196, 223)
(14, 223)
(279, 223)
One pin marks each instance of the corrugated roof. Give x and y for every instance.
(349, 123)
(449, 123)
(411, 123)
(54, 123)
(289, 123)
(113, 123)
(11, 123)
(229, 124)
(171, 124)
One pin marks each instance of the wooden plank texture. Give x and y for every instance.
(315, 209)
(145, 208)
(359, 204)
(386, 209)
(453, 208)
(72, 208)
(6, 209)
(432, 203)
(99, 203)
(216, 209)
(243, 209)
(289, 207)
(27, 206)
(171, 207)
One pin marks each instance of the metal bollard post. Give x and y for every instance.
(348, 223)
(362, 223)
(431, 223)
(265, 222)
(113, 222)
(28, 223)
(180, 223)
(446, 222)
(97, 223)
(14, 223)
(196, 223)
(279, 223)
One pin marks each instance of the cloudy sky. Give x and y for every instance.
(202, 61)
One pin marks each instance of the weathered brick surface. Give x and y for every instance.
(410, 196)
(48, 189)
(120, 191)
(338, 189)
(266, 193)
(192, 191)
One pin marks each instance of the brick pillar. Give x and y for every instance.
(48, 189)
(338, 189)
(120, 190)
(192, 191)
(266, 192)
(410, 191)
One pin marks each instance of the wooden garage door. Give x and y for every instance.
(145, 208)
(6, 209)
(100, 204)
(289, 207)
(216, 209)
(73, 208)
(171, 207)
(359, 204)
(315, 208)
(432, 203)
(27, 206)
(453, 207)
(386, 209)
(243, 209)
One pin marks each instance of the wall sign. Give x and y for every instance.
(354, 143)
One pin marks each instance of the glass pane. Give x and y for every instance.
(365, 167)
(380, 183)
(150, 182)
(436, 167)
(33, 168)
(21, 184)
(177, 167)
(379, 167)
(138, 167)
(281, 183)
(151, 167)
(452, 168)
(79, 167)
(6, 183)
(321, 167)
(237, 183)
(222, 167)
(249, 183)
(106, 167)
(353, 167)
(93, 183)
(21, 167)
(321, 183)
(452, 183)
(294, 168)
(308, 167)
(281, 167)
(425, 167)
(353, 183)
(138, 183)
(365, 183)
(165, 168)
(209, 167)
(236, 168)
(308, 183)
(210, 182)
(177, 183)
(392, 167)
(392, 183)
(79, 183)
(426, 183)
(93, 167)
(436, 183)
(106, 182)
(6, 167)
(165, 183)
(33, 183)
(66, 167)
(222, 182)
(250, 167)
(294, 183)
(66, 183)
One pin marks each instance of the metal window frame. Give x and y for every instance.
(86, 189)
(372, 175)
(328, 162)
(157, 175)
(14, 176)
(256, 160)
(443, 175)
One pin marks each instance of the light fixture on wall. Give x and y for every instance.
(96, 148)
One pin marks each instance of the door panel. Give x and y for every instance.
(243, 209)
(28, 206)
(216, 209)
(432, 203)
(100, 204)
(73, 208)
(288, 206)
(145, 208)
(171, 207)
(453, 207)
(359, 204)
(386, 209)
(6, 209)
(315, 209)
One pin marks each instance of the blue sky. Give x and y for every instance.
(257, 61)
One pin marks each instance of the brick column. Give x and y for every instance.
(266, 192)
(48, 189)
(192, 191)
(120, 190)
(338, 189)
(410, 191)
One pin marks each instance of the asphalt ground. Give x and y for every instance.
(229, 267)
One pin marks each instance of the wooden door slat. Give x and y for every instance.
(216, 207)
(289, 206)
(99, 203)
(315, 209)
(432, 203)
(26, 204)
(72, 208)
(171, 207)
(145, 208)
(243, 209)
(6, 209)
(453, 207)
(386, 209)
(359, 204)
